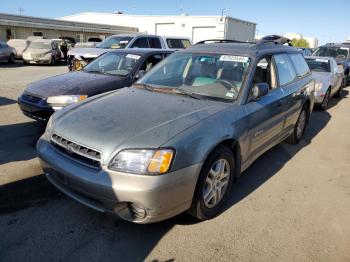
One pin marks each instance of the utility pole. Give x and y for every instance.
(20, 10)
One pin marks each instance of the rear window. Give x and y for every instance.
(301, 67)
(319, 65)
(178, 43)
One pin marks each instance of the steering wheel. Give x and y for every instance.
(228, 85)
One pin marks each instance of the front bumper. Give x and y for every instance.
(136, 198)
(40, 111)
(42, 60)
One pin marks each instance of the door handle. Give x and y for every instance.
(279, 104)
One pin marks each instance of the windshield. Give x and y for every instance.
(213, 76)
(333, 51)
(40, 45)
(319, 65)
(113, 64)
(114, 42)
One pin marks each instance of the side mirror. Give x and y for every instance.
(140, 74)
(259, 90)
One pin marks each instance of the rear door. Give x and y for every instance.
(2, 51)
(292, 78)
(265, 116)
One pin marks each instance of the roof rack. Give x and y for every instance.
(275, 39)
(211, 41)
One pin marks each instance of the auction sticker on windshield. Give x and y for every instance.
(136, 57)
(234, 58)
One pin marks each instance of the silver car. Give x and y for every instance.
(329, 79)
(20, 45)
(42, 51)
(177, 139)
(7, 53)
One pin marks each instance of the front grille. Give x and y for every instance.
(77, 152)
(37, 55)
(31, 99)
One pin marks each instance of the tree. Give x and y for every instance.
(300, 43)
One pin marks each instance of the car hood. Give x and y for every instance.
(321, 77)
(75, 83)
(131, 118)
(87, 52)
(36, 51)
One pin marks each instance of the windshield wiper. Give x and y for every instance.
(190, 94)
(145, 86)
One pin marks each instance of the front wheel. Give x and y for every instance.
(214, 183)
(325, 101)
(340, 90)
(299, 127)
(12, 59)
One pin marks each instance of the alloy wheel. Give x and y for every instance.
(216, 183)
(301, 124)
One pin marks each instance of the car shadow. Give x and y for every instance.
(335, 101)
(267, 165)
(9, 65)
(4, 101)
(18, 141)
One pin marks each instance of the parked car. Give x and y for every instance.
(329, 79)
(306, 51)
(341, 53)
(124, 41)
(7, 53)
(42, 51)
(111, 71)
(19, 45)
(178, 137)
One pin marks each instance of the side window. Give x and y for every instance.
(285, 70)
(154, 42)
(151, 62)
(140, 43)
(265, 72)
(300, 64)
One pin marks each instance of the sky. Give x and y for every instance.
(328, 20)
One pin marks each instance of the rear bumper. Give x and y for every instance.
(136, 198)
(37, 112)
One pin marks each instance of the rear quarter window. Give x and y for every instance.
(300, 65)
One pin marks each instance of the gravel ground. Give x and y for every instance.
(292, 204)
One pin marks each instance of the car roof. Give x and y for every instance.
(249, 49)
(347, 45)
(142, 51)
(133, 35)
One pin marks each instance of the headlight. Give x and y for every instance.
(144, 161)
(318, 86)
(48, 129)
(64, 100)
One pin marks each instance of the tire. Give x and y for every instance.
(25, 63)
(208, 207)
(299, 127)
(325, 102)
(12, 59)
(340, 90)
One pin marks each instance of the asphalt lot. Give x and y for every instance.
(292, 204)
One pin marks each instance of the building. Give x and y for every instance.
(196, 28)
(15, 26)
(313, 41)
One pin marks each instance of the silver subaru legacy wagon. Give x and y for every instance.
(176, 140)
